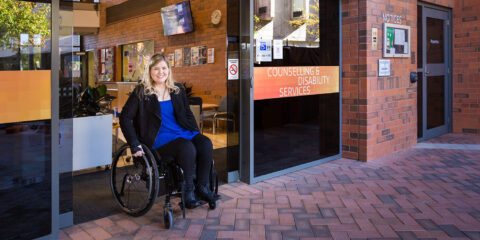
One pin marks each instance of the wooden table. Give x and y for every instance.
(209, 106)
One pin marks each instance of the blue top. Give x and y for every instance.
(170, 130)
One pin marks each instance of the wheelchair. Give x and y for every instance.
(135, 182)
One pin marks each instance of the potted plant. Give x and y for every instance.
(92, 101)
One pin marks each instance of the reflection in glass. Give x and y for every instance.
(435, 101)
(435, 42)
(25, 179)
(24, 45)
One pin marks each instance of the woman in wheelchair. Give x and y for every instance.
(157, 113)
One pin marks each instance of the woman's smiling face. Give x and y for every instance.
(159, 72)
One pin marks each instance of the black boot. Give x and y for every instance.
(204, 193)
(189, 198)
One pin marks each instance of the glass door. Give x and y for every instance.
(435, 68)
(292, 87)
(27, 189)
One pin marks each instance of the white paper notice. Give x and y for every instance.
(277, 49)
(264, 50)
(383, 67)
(399, 37)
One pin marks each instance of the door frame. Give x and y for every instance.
(447, 127)
(246, 132)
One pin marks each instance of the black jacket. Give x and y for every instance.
(141, 116)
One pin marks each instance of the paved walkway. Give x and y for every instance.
(428, 192)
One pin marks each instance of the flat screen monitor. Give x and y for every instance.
(177, 19)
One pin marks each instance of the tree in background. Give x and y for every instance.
(19, 17)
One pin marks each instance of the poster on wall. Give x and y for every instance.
(171, 59)
(186, 56)
(178, 57)
(280, 82)
(102, 55)
(211, 55)
(264, 50)
(135, 58)
(202, 55)
(194, 53)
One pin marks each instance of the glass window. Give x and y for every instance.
(435, 49)
(25, 100)
(296, 84)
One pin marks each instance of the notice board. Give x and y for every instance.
(396, 40)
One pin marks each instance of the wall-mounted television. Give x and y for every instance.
(177, 18)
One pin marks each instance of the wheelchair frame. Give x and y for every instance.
(132, 174)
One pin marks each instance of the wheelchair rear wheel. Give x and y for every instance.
(134, 181)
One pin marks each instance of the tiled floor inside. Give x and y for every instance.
(429, 192)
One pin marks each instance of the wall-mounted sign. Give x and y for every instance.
(264, 50)
(396, 41)
(280, 82)
(383, 67)
(390, 18)
(232, 69)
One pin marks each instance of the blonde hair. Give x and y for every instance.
(147, 80)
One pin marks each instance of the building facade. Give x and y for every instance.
(294, 82)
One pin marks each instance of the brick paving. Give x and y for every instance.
(413, 194)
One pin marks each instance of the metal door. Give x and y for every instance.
(435, 68)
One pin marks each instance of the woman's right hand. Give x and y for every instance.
(140, 152)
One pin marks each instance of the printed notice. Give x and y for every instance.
(264, 50)
(399, 37)
(383, 67)
(277, 49)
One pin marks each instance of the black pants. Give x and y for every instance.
(198, 151)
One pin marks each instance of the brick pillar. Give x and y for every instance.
(354, 71)
(466, 67)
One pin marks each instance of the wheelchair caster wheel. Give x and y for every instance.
(168, 218)
(213, 205)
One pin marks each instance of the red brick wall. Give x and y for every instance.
(379, 113)
(466, 67)
(209, 80)
(353, 67)
(391, 110)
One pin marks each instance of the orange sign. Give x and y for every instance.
(279, 82)
(25, 95)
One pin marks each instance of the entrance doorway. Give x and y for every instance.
(434, 81)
